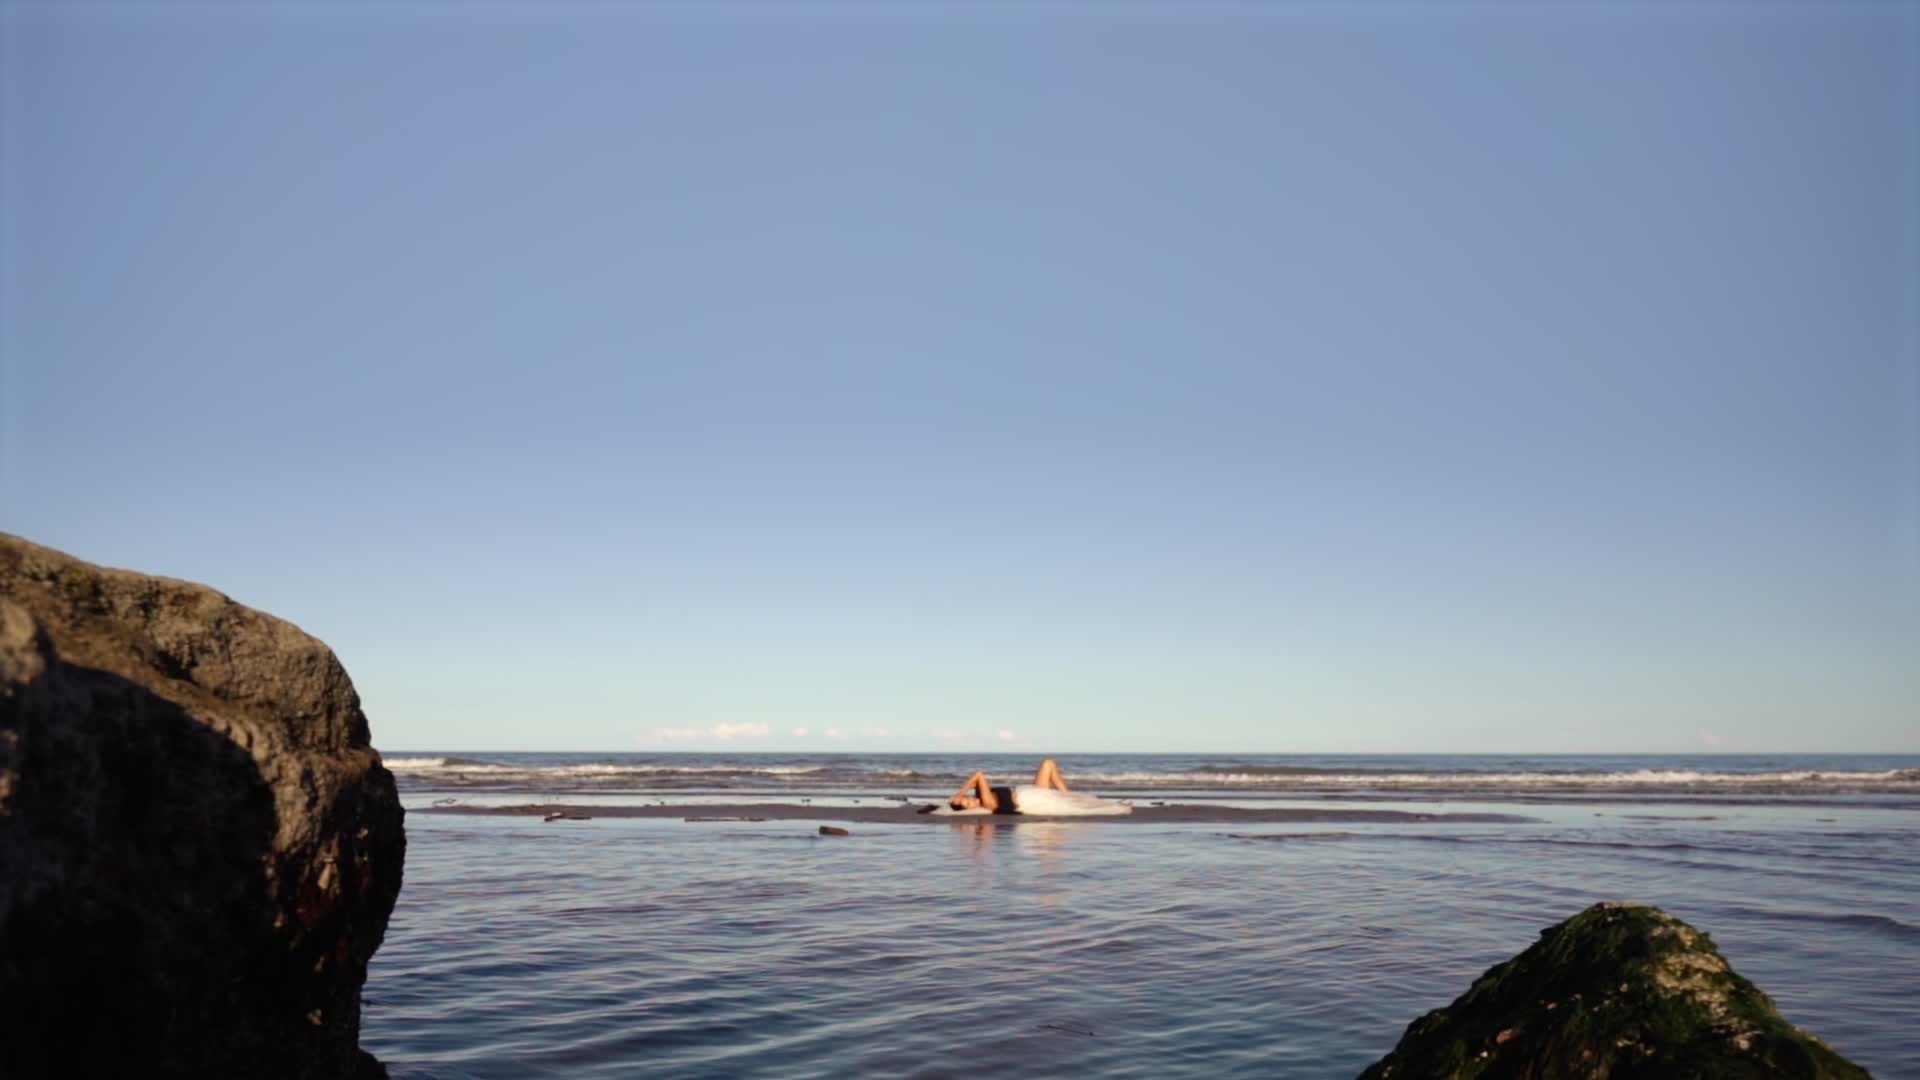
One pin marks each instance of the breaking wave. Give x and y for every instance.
(1386, 777)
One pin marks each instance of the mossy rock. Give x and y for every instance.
(1618, 992)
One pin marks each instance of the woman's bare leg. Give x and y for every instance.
(978, 787)
(1048, 775)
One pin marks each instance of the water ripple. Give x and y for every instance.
(626, 946)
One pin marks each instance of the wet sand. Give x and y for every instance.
(906, 814)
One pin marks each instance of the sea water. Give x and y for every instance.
(624, 946)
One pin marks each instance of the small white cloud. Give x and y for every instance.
(1004, 735)
(722, 732)
(879, 733)
(835, 733)
(800, 732)
(1709, 738)
(949, 736)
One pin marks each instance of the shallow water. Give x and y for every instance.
(616, 946)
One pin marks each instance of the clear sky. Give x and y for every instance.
(1277, 377)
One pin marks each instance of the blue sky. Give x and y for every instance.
(1134, 377)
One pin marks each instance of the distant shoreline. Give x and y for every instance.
(906, 814)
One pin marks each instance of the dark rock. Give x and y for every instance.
(199, 847)
(1620, 991)
(829, 830)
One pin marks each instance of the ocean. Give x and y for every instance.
(622, 946)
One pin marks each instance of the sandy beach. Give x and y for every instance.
(904, 814)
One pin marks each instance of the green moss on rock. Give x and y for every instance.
(1618, 992)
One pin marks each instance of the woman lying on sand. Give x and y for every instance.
(979, 792)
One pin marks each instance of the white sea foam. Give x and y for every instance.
(454, 771)
(1634, 778)
(415, 764)
(442, 765)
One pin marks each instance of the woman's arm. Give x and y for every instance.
(977, 791)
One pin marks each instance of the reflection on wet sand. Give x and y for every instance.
(975, 840)
(1047, 843)
(1045, 839)
(1043, 842)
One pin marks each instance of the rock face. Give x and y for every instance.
(199, 847)
(1619, 991)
